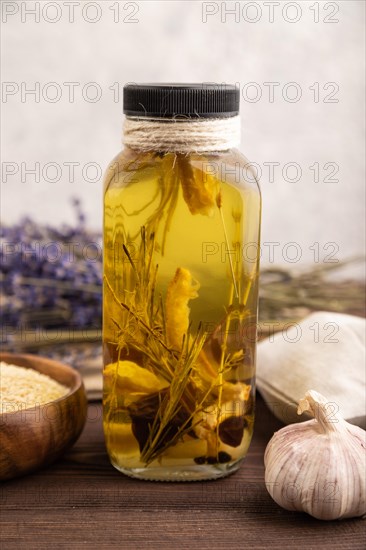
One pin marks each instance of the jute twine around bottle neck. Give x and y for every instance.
(181, 135)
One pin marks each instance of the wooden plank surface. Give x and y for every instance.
(83, 502)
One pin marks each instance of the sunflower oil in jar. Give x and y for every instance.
(181, 260)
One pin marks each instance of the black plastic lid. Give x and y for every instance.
(185, 100)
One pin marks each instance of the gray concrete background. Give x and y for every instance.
(169, 41)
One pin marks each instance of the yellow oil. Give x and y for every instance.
(181, 238)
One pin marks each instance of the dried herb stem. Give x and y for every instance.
(219, 205)
(222, 363)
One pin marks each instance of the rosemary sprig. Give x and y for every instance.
(172, 402)
(137, 317)
(176, 367)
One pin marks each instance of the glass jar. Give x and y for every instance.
(181, 256)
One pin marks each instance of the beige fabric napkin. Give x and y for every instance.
(324, 352)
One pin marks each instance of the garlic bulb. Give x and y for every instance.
(318, 466)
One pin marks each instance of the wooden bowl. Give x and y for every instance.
(35, 437)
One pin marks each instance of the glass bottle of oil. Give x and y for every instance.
(181, 250)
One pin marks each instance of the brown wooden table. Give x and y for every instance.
(83, 502)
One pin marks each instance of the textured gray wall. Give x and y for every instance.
(168, 42)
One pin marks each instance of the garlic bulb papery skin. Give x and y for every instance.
(318, 466)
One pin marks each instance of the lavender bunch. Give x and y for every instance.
(50, 277)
